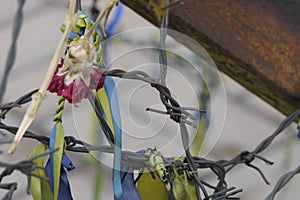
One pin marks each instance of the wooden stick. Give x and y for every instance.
(38, 97)
(105, 10)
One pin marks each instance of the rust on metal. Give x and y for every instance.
(254, 42)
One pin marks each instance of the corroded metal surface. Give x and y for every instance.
(254, 42)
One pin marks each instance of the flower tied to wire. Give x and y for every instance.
(71, 86)
(76, 76)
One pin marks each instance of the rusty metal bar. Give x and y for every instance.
(254, 42)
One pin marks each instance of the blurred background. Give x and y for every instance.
(247, 119)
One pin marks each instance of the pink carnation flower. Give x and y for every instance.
(77, 89)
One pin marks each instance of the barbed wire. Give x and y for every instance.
(11, 187)
(129, 158)
(282, 181)
(17, 24)
(162, 49)
(26, 167)
(5, 108)
(136, 161)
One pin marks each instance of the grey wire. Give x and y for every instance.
(173, 4)
(283, 180)
(283, 125)
(139, 75)
(78, 5)
(18, 20)
(162, 52)
(218, 167)
(8, 186)
(190, 160)
(162, 80)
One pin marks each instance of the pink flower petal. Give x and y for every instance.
(80, 91)
(77, 90)
(97, 79)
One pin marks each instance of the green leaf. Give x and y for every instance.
(57, 156)
(182, 187)
(156, 162)
(150, 188)
(40, 189)
(80, 23)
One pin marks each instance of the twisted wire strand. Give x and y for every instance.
(59, 109)
(138, 161)
(17, 24)
(11, 187)
(5, 108)
(130, 158)
(282, 181)
(27, 167)
(162, 50)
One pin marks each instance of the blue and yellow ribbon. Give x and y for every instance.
(106, 96)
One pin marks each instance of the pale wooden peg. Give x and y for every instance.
(37, 98)
(108, 7)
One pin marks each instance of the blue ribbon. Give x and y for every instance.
(114, 109)
(115, 20)
(116, 117)
(64, 186)
(129, 190)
